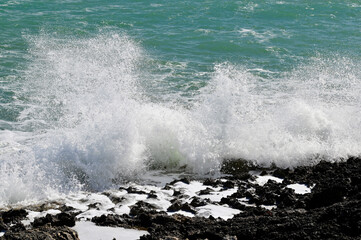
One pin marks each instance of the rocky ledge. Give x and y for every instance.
(263, 204)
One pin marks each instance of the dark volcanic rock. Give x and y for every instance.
(205, 191)
(286, 198)
(212, 182)
(109, 220)
(61, 219)
(141, 207)
(17, 227)
(49, 227)
(281, 173)
(237, 166)
(3, 226)
(176, 206)
(185, 180)
(95, 205)
(134, 190)
(233, 203)
(177, 193)
(327, 195)
(331, 211)
(13, 215)
(45, 232)
(188, 208)
(228, 185)
(65, 208)
(339, 221)
(197, 202)
(152, 194)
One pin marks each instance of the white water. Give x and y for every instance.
(89, 122)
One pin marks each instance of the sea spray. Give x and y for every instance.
(89, 120)
(288, 119)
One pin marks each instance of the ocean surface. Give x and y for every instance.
(93, 93)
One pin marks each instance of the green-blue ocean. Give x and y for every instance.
(94, 92)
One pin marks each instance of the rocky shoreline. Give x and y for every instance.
(329, 207)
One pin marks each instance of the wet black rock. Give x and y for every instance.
(12, 219)
(340, 221)
(212, 182)
(177, 193)
(185, 180)
(228, 185)
(17, 227)
(327, 195)
(233, 203)
(48, 227)
(263, 173)
(110, 220)
(167, 187)
(134, 190)
(237, 166)
(94, 205)
(13, 215)
(141, 207)
(188, 208)
(281, 173)
(113, 198)
(46, 232)
(61, 219)
(176, 206)
(287, 198)
(205, 191)
(331, 211)
(152, 194)
(197, 202)
(65, 208)
(3, 226)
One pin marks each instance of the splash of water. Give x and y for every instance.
(309, 112)
(87, 123)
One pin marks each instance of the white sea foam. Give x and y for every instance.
(89, 231)
(299, 188)
(88, 121)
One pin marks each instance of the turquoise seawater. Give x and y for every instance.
(95, 92)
